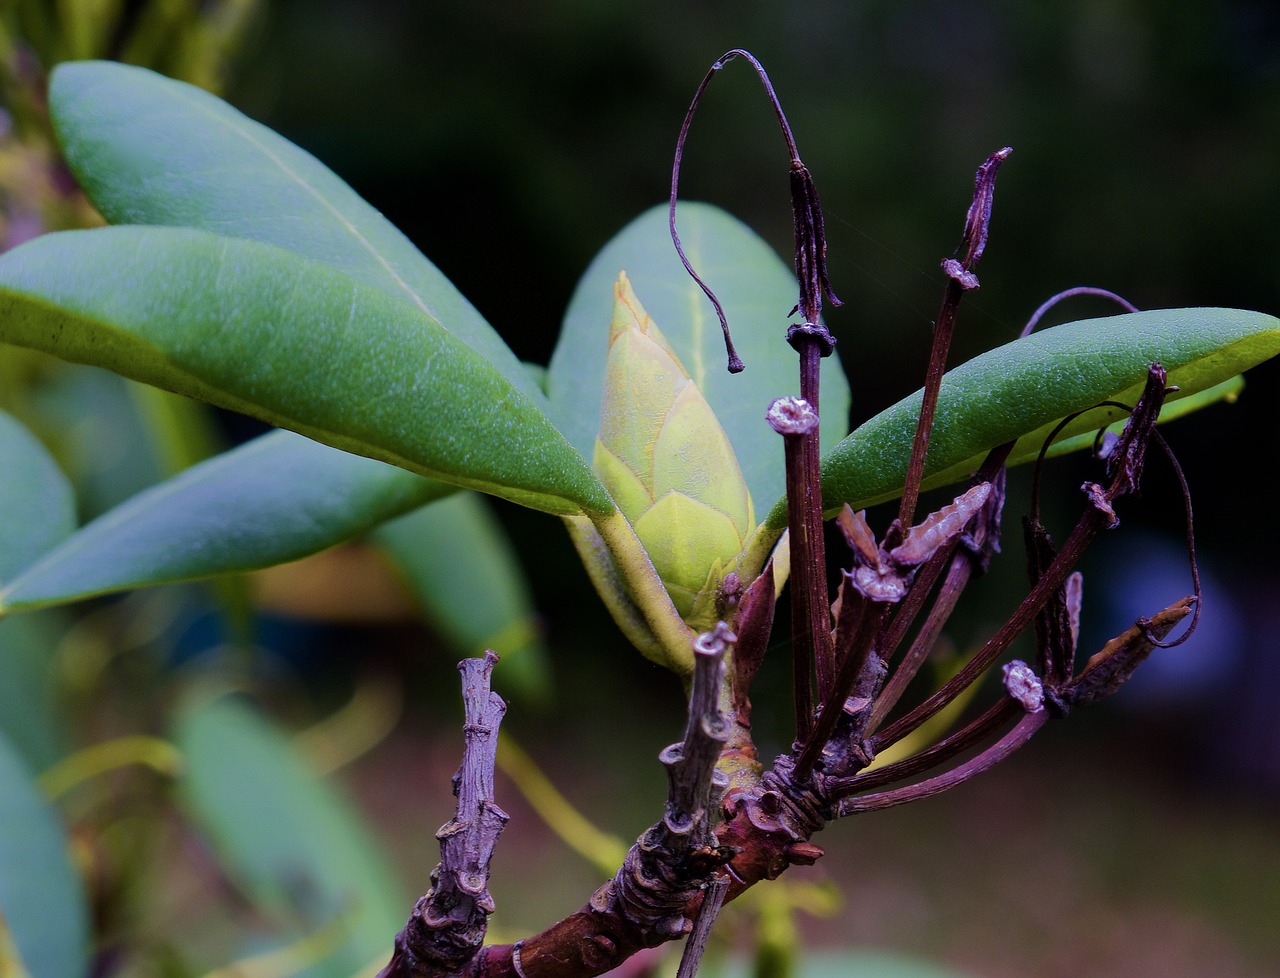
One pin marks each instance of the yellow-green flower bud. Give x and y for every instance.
(668, 463)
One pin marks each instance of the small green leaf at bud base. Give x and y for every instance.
(663, 455)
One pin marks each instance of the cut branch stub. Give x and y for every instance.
(448, 924)
(695, 787)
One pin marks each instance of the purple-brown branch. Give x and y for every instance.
(448, 924)
(960, 279)
(691, 860)
(797, 421)
(727, 823)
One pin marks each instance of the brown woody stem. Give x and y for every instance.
(964, 739)
(989, 758)
(961, 279)
(694, 785)
(1125, 466)
(797, 421)
(984, 539)
(447, 926)
(712, 901)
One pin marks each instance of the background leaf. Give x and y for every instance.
(151, 150)
(1020, 390)
(32, 714)
(274, 499)
(37, 505)
(41, 896)
(756, 290)
(260, 330)
(462, 569)
(287, 839)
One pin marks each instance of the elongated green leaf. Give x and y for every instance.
(150, 150)
(41, 898)
(1081, 435)
(274, 499)
(300, 344)
(90, 421)
(285, 837)
(37, 506)
(756, 289)
(1019, 391)
(463, 571)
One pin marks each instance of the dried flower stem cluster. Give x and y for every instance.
(728, 823)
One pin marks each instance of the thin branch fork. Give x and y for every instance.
(1125, 465)
(679, 872)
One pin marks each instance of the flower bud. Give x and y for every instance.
(664, 457)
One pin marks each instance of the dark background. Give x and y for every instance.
(510, 141)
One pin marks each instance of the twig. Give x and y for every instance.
(1053, 300)
(961, 279)
(796, 420)
(448, 924)
(1125, 468)
(694, 785)
(694, 947)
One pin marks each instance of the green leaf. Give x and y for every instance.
(11, 964)
(37, 506)
(257, 329)
(1021, 390)
(32, 714)
(41, 897)
(1081, 435)
(151, 150)
(463, 571)
(274, 499)
(288, 839)
(89, 420)
(756, 290)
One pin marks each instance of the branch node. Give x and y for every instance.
(1021, 682)
(799, 334)
(954, 270)
(792, 417)
(1099, 498)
